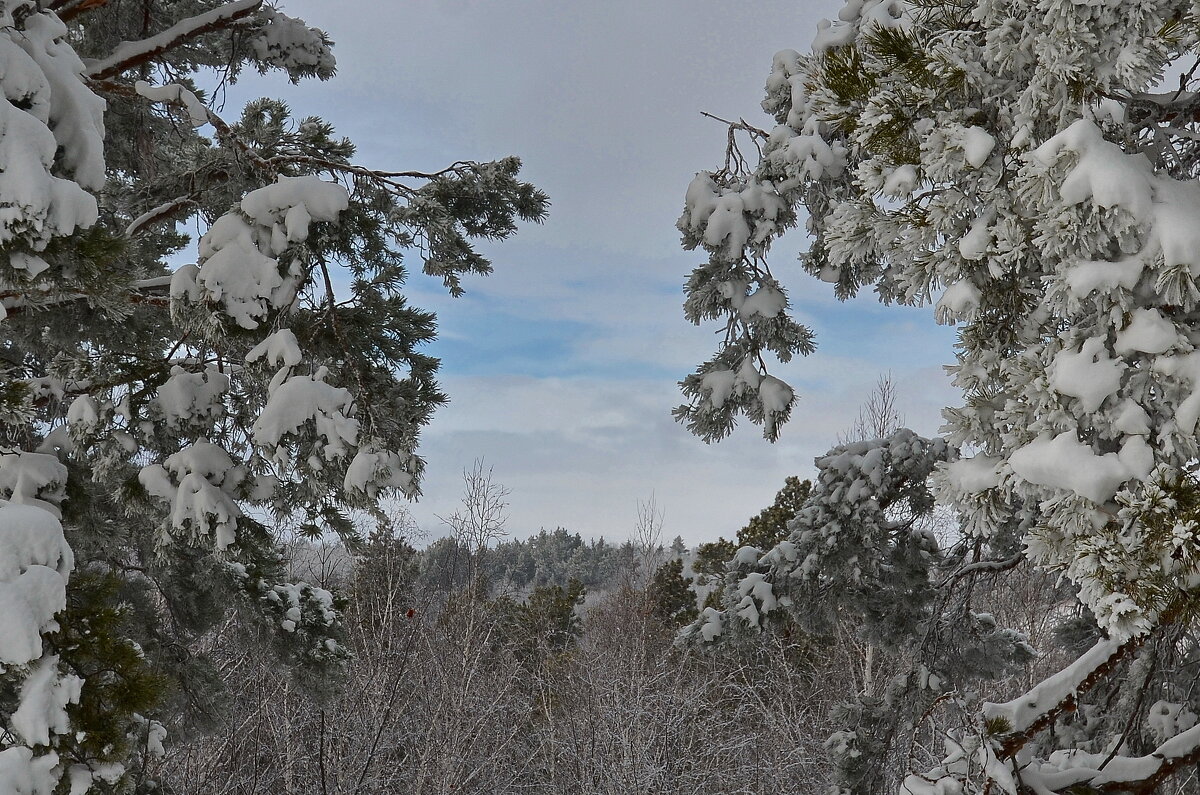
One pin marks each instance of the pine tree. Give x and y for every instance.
(712, 556)
(161, 427)
(547, 622)
(763, 531)
(771, 524)
(1018, 165)
(670, 594)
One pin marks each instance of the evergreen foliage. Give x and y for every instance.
(771, 524)
(763, 531)
(712, 557)
(670, 594)
(547, 621)
(550, 557)
(172, 426)
(1019, 165)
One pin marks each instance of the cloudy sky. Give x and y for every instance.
(562, 366)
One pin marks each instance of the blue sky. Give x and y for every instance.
(562, 366)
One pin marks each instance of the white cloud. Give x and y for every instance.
(602, 101)
(580, 453)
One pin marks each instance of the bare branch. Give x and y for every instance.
(740, 124)
(878, 417)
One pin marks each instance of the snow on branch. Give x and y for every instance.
(1147, 108)
(1118, 774)
(159, 213)
(174, 93)
(149, 292)
(132, 53)
(984, 567)
(197, 113)
(1041, 706)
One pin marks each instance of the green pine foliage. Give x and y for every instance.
(770, 526)
(763, 531)
(96, 641)
(670, 594)
(1026, 168)
(712, 557)
(142, 401)
(545, 623)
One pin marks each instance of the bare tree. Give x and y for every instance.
(878, 416)
(442, 697)
(480, 519)
(647, 540)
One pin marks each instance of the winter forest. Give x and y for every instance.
(237, 554)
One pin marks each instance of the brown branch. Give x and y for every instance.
(334, 165)
(151, 295)
(110, 86)
(1149, 785)
(1013, 743)
(73, 8)
(129, 54)
(159, 213)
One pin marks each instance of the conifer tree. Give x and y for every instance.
(1020, 166)
(763, 531)
(546, 623)
(770, 525)
(160, 424)
(670, 594)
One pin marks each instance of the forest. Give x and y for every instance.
(216, 387)
(551, 665)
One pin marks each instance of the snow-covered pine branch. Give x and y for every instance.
(168, 427)
(129, 54)
(1017, 167)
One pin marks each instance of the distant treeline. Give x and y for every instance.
(551, 557)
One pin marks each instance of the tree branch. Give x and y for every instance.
(457, 167)
(151, 292)
(69, 9)
(159, 213)
(1147, 109)
(1062, 690)
(129, 54)
(984, 566)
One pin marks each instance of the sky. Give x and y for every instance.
(562, 366)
